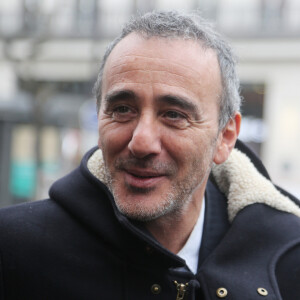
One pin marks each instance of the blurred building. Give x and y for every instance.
(50, 52)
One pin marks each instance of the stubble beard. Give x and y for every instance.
(174, 202)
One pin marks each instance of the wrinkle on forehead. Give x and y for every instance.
(157, 60)
(150, 76)
(136, 57)
(159, 78)
(151, 63)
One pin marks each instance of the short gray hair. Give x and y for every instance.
(192, 26)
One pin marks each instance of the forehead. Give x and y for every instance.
(184, 63)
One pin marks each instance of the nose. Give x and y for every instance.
(145, 138)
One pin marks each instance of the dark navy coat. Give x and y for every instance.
(76, 245)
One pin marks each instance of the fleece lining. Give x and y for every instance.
(237, 178)
(243, 185)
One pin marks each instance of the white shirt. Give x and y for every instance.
(190, 251)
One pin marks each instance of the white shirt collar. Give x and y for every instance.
(190, 251)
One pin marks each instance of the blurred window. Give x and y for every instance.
(253, 129)
(11, 17)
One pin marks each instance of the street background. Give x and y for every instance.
(50, 52)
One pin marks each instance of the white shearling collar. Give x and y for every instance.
(243, 185)
(237, 178)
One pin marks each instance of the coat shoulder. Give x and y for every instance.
(20, 222)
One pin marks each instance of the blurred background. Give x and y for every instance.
(50, 52)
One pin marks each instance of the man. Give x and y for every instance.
(146, 216)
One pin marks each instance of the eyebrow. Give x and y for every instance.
(116, 96)
(183, 103)
(179, 101)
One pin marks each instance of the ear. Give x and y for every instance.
(227, 138)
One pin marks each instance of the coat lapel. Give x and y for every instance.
(216, 221)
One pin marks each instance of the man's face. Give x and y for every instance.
(158, 123)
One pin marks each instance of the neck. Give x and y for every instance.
(171, 231)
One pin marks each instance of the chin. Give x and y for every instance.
(143, 209)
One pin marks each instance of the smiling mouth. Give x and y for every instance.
(144, 176)
(139, 179)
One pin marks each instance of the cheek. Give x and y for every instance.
(184, 142)
(179, 147)
(188, 149)
(113, 138)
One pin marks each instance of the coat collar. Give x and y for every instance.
(237, 178)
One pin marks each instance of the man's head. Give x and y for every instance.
(159, 122)
(172, 25)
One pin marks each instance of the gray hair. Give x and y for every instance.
(174, 24)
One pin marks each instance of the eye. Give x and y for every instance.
(123, 113)
(176, 119)
(122, 109)
(174, 115)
